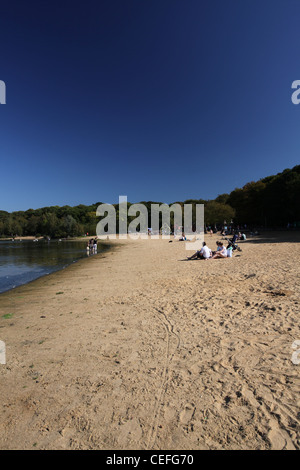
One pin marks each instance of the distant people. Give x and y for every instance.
(91, 244)
(204, 253)
(95, 245)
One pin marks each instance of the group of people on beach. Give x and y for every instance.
(206, 253)
(91, 246)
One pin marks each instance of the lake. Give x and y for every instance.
(24, 261)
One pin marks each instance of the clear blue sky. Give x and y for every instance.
(160, 100)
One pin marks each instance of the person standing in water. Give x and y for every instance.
(95, 245)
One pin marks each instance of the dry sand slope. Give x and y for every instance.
(140, 349)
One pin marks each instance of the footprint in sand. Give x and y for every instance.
(187, 413)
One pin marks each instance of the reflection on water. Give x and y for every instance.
(22, 262)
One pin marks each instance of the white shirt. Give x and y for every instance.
(205, 251)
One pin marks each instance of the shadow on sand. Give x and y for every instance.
(273, 237)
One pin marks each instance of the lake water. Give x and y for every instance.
(24, 261)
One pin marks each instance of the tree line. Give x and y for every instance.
(271, 202)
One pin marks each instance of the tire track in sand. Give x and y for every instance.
(169, 355)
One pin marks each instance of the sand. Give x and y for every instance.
(140, 349)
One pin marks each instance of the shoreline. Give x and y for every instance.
(140, 349)
(104, 243)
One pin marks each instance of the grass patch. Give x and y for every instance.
(7, 315)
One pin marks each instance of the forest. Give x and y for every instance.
(272, 202)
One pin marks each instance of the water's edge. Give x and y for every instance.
(53, 270)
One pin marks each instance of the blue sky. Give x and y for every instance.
(157, 100)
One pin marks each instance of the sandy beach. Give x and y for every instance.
(138, 349)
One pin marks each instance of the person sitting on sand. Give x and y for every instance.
(204, 253)
(221, 251)
(218, 248)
